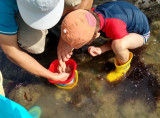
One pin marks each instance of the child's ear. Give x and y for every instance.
(97, 35)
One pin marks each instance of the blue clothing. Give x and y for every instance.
(10, 109)
(118, 18)
(8, 9)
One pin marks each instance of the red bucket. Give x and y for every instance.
(53, 68)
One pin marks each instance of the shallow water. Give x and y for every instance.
(137, 96)
(93, 97)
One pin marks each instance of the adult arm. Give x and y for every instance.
(85, 4)
(16, 55)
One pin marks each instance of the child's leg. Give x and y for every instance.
(121, 46)
(123, 56)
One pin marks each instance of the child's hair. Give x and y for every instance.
(97, 26)
(97, 21)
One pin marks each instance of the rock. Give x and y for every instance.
(151, 55)
(136, 109)
(155, 28)
(83, 57)
(26, 95)
(62, 95)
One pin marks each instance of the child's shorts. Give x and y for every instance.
(146, 37)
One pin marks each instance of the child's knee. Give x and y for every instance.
(118, 45)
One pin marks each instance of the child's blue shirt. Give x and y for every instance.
(10, 109)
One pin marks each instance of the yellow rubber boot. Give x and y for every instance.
(120, 70)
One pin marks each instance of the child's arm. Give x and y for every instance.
(64, 52)
(62, 66)
(94, 51)
(106, 47)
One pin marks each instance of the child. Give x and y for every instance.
(122, 22)
(11, 109)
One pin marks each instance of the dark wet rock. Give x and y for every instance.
(83, 58)
(146, 3)
(151, 8)
(26, 95)
(152, 13)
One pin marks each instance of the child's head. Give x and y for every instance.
(78, 28)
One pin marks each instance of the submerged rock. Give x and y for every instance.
(155, 28)
(26, 95)
(83, 57)
(151, 54)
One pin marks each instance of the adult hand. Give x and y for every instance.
(94, 51)
(61, 76)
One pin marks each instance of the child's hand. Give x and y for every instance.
(94, 51)
(64, 51)
(62, 66)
